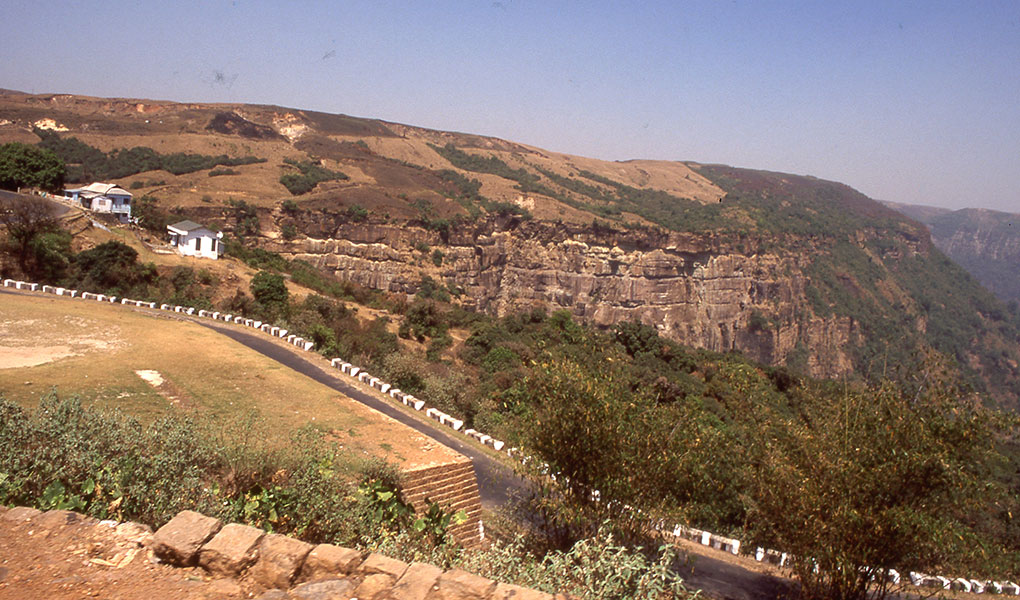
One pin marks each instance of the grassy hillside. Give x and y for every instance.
(256, 169)
(145, 365)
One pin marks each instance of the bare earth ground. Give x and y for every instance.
(147, 363)
(60, 561)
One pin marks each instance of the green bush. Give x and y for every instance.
(22, 165)
(112, 268)
(595, 568)
(270, 290)
(89, 163)
(308, 176)
(66, 455)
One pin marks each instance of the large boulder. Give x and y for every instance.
(327, 561)
(280, 559)
(461, 585)
(179, 541)
(417, 582)
(231, 550)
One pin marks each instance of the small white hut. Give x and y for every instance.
(192, 239)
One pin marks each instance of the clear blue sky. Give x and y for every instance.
(912, 102)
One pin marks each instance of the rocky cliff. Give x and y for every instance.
(717, 292)
(985, 242)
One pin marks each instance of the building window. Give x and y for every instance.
(198, 244)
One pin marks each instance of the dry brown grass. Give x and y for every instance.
(94, 350)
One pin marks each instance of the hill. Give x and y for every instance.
(790, 270)
(984, 242)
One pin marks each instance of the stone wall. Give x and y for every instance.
(251, 563)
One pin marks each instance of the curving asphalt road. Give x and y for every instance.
(58, 209)
(497, 483)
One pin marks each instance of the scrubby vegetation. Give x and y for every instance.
(904, 470)
(309, 174)
(87, 163)
(64, 455)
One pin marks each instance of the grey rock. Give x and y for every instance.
(329, 589)
(327, 561)
(377, 563)
(461, 585)
(417, 582)
(280, 559)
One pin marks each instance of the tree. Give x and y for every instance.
(858, 483)
(270, 290)
(25, 219)
(112, 267)
(22, 165)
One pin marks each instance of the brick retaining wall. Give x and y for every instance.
(454, 487)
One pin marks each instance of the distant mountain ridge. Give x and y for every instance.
(984, 242)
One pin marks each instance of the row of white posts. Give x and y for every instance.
(419, 405)
(705, 538)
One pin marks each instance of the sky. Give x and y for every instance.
(915, 102)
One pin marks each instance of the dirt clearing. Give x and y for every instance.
(147, 363)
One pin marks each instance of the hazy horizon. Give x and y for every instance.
(914, 103)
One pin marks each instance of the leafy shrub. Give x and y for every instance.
(246, 218)
(595, 568)
(112, 268)
(357, 213)
(269, 290)
(89, 163)
(22, 165)
(65, 455)
(150, 216)
(308, 176)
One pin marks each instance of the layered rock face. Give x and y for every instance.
(986, 243)
(718, 293)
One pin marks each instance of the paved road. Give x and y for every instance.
(496, 482)
(59, 208)
(720, 579)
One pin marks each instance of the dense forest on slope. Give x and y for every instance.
(865, 262)
(86, 163)
(882, 271)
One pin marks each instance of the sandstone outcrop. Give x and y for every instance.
(721, 293)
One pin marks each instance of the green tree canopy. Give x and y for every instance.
(112, 267)
(22, 165)
(269, 289)
(860, 482)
